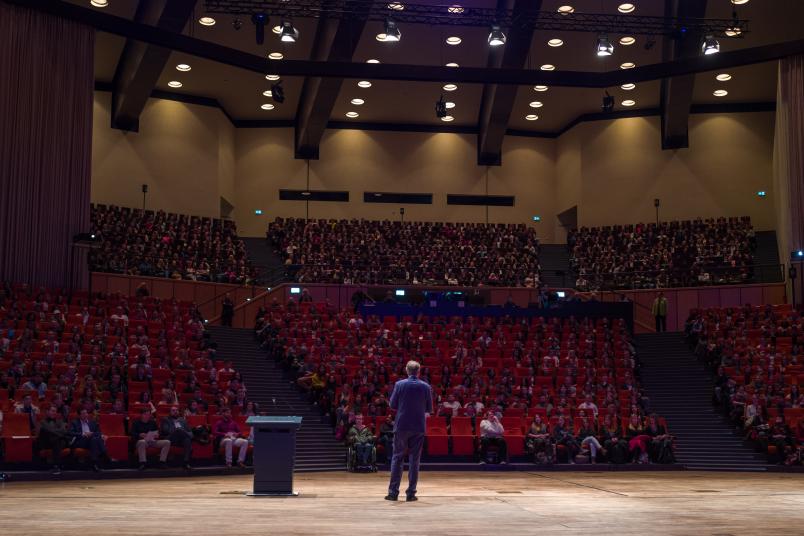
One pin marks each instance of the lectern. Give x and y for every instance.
(274, 454)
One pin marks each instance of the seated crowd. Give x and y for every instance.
(162, 244)
(671, 254)
(386, 252)
(113, 378)
(756, 356)
(546, 388)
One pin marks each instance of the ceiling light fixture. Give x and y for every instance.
(739, 2)
(272, 77)
(539, 88)
(628, 102)
(392, 33)
(627, 65)
(453, 40)
(627, 40)
(450, 87)
(455, 9)
(710, 45)
(357, 102)
(447, 118)
(289, 33)
(99, 3)
(733, 31)
(259, 20)
(720, 93)
(206, 21)
(723, 77)
(352, 115)
(531, 117)
(174, 83)
(548, 67)
(372, 60)
(267, 93)
(183, 67)
(396, 6)
(275, 56)
(496, 36)
(604, 46)
(277, 29)
(566, 10)
(267, 106)
(555, 42)
(626, 8)
(451, 64)
(450, 105)
(628, 87)
(535, 104)
(364, 84)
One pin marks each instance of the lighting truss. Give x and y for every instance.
(600, 23)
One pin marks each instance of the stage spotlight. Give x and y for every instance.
(710, 45)
(288, 34)
(277, 93)
(604, 46)
(441, 108)
(608, 103)
(392, 32)
(496, 36)
(259, 20)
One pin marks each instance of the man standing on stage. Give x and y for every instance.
(413, 400)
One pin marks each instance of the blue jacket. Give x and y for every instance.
(411, 399)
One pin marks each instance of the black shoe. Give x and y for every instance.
(411, 498)
(187, 466)
(163, 465)
(96, 468)
(141, 467)
(56, 470)
(390, 497)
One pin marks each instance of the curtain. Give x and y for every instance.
(788, 157)
(46, 86)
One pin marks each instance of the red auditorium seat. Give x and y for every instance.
(200, 452)
(463, 440)
(514, 437)
(117, 441)
(17, 438)
(437, 438)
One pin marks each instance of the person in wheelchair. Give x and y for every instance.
(361, 441)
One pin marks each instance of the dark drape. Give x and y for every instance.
(46, 89)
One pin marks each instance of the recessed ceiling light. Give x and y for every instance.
(628, 65)
(396, 6)
(723, 77)
(548, 67)
(455, 8)
(277, 29)
(267, 93)
(364, 84)
(352, 114)
(733, 31)
(626, 8)
(739, 2)
(555, 42)
(372, 60)
(447, 118)
(628, 87)
(720, 93)
(453, 40)
(183, 67)
(539, 88)
(536, 104)
(531, 117)
(449, 105)
(174, 83)
(267, 106)
(275, 56)
(381, 37)
(627, 40)
(357, 102)
(452, 64)
(272, 77)
(450, 87)
(628, 102)
(99, 3)
(566, 10)
(206, 21)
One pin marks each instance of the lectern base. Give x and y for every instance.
(273, 494)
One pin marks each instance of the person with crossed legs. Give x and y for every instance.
(412, 399)
(228, 433)
(145, 434)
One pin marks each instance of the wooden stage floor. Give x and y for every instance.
(451, 503)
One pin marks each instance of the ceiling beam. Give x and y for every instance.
(335, 41)
(497, 101)
(676, 92)
(141, 64)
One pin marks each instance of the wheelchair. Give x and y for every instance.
(353, 465)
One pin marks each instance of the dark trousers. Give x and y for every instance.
(661, 323)
(410, 443)
(94, 444)
(56, 444)
(499, 442)
(180, 438)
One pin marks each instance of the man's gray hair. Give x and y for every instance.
(413, 368)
